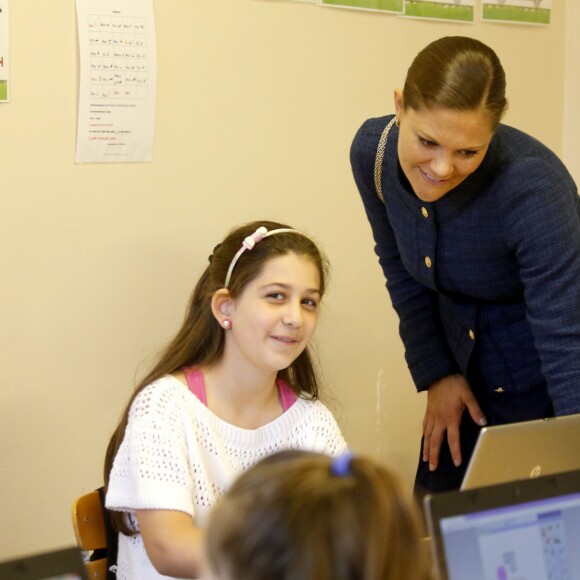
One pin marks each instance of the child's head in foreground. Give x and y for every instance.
(308, 516)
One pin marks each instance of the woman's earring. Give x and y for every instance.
(227, 323)
(397, 122)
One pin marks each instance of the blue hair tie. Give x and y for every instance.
(340, 465)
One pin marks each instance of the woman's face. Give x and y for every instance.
(439, 148)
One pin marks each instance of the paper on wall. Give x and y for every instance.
(4, 36)
(118, 80)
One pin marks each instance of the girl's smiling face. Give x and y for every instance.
(439, 148)
(276, 314)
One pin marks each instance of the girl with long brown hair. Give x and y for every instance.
(236, 384)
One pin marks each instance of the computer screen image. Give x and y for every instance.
(531, 541)
(524, 530)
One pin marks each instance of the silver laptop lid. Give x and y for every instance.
(524, 450)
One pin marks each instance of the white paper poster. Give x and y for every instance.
(451, 10)
(517, 11)
(4, 36)
(118, 80)
(394, 6)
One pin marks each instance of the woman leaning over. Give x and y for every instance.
(477, 229)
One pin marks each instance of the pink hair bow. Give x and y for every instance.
(258, 235)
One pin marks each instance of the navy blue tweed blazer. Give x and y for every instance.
(486, 280)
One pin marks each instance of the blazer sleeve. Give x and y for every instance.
(427, 353)
(542, 225)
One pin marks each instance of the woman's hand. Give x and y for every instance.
(447, 398)
(173, 543)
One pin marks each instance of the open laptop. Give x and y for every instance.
(526, 529)
(524, 450)
(65, 564)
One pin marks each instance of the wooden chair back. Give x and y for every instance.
(90, 532)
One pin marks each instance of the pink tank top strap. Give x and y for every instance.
(195, 382)
(287, 395)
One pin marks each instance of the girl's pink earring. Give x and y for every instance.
(227, 324)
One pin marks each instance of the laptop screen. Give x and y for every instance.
(531, 540)
(64, 577)
(521, 530)
(65, 564)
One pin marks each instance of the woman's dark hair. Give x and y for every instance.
(291, 516)
(200, 340)
(457, 72)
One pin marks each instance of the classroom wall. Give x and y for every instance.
(258, 101)
(571, 57)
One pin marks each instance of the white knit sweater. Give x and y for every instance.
(178, 455)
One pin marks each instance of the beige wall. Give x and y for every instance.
(572, 91)
(258, 101)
